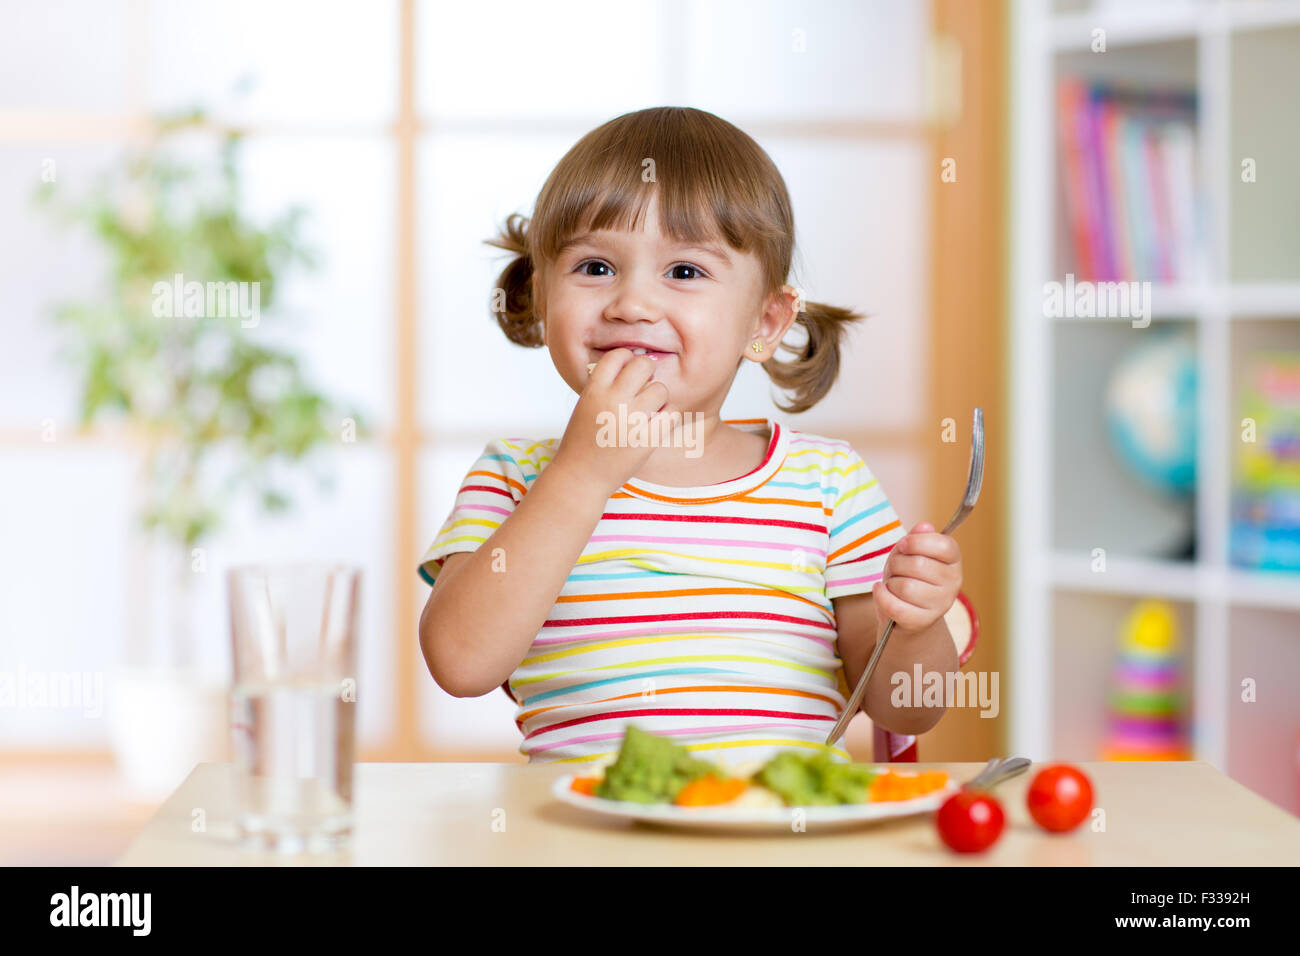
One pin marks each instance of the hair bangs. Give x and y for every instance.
(610, 177)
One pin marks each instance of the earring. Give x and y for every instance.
(757, 345)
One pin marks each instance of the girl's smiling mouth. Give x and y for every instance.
(637, 348)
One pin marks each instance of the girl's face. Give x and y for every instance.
(695, 310)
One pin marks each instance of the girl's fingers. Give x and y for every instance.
(920, 567)
(907, 615)
(635, 373)
(607, 369)
(920, 594)
(941, 547)
(653, 397)
(926, 571)
(612, 364)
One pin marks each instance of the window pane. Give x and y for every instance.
(313, 61)
(872, 261)
(64, 55)
(523, 58)
(42, 265)
(340, 316)
(64, 586)
(806, 60)
(472, 376)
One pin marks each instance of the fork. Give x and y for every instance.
(973, 482)
(998, 769)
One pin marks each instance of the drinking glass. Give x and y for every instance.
(293, 703)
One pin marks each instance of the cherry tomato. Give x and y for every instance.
(1059, 798)
(970, 821)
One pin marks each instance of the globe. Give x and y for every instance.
(1151, 413)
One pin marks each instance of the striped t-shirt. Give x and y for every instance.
(703, 614)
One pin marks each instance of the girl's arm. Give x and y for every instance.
(933, 649)
(487, 605)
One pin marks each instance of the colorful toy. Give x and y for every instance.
(1266, 500)
(1147, 701)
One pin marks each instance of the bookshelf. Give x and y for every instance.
(1242, 59)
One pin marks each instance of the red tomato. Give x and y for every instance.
(970, 821)
(1059, 798)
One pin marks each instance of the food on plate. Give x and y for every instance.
(709, 791)
(1059, 798)
(654, 769)
(891, 785)
(651, 769)
(970, 821)
(810, 780)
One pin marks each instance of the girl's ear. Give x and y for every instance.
(781, 312)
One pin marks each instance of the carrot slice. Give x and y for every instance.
(897, 786)
(585, 785)
(708, 790)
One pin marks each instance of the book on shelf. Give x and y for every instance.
(1265, 531)
(1128, 181)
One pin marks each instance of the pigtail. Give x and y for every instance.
(810, 375)
(512, 298)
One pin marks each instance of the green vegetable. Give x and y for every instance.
(651, 769)
(814, 779)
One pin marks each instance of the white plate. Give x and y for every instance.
(751, 819)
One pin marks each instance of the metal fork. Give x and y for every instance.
(973, 482)
(998, 769)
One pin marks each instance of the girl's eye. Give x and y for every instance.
(582, 266)
(687, 265)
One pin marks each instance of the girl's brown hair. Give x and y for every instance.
(712, 180)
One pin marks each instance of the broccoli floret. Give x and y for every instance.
(810, 780)
(651, 769)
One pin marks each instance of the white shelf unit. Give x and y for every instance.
(1243, 59)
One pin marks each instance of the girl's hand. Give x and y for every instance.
(590, 447)
(922, 578)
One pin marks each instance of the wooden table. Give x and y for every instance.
(443, 814)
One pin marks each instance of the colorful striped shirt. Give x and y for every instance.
(703, 614)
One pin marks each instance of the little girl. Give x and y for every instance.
(718, 590)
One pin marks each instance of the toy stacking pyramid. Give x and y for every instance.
(1146, 699)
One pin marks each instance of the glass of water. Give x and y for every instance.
(293, 703)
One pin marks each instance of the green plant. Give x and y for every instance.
(191, 384)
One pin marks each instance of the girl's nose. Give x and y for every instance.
(635, 301)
